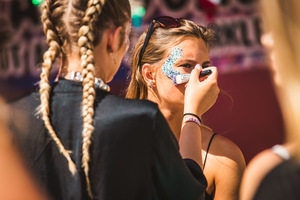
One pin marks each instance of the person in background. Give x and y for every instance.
(172, 52)
(275, 173)
(83, 142)
(13, 174)
(15, 180)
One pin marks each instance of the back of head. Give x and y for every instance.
(282, 20)
(77, 26)
(160, 42)
(64, 19)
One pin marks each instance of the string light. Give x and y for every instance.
(138, 11)
(36, 3)
(137, 15)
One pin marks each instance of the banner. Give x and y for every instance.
(22, 54)
(236, 22)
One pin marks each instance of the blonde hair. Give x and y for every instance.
(160, 41)
(282, 20)
(77, 23)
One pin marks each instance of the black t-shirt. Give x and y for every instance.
(134, 154)
(282, 182)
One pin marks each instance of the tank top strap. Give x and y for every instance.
(281, 151)
(204, 162)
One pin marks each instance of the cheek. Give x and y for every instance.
(168, 92)
(125, 47)
(120, 55)
(127, 43)
(183, 70)
(168, 66)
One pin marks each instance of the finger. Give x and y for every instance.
(195, 73)
(203, 78)
(214, 74)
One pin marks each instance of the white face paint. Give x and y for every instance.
(168, 68)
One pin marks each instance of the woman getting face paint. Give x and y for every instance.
(175, 55)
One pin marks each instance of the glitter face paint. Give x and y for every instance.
(168, 68)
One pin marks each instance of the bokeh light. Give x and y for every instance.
(36, 3)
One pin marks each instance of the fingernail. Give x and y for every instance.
(197, 66)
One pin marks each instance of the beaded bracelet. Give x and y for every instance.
(192, 115)
(191, 119)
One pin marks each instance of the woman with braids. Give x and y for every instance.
(158, 75)
(82, 142)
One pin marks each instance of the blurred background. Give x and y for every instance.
(246, 111)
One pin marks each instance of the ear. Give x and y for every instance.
(114, 39)
(149, 74)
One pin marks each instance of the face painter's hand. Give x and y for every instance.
(201, 94)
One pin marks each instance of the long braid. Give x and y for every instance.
(85, 43)
(54, 43)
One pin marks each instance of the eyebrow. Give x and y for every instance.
(206, 63)
(185, 60)
(192, 61)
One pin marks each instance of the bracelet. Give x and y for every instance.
(191, 119)
(192, 115)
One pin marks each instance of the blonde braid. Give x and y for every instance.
(50, 55)
(85, 43)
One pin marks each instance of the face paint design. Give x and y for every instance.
(168, 68)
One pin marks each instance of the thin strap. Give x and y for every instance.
(281, 151)
(208, 149)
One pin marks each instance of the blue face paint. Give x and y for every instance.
(168, 68)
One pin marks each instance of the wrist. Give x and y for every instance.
(193, 111)
(193, 115)
(191, 118)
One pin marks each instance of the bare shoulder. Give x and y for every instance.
(227, 152)
(256, 170)
(225, 166)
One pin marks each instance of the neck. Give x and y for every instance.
(69, 63)
(173, 115)
(174, 119)
(72, 62)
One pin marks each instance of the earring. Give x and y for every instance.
(151, 85)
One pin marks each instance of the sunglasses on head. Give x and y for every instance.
(164, 22)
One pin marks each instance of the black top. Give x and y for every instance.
(282, 182)
(134, 154)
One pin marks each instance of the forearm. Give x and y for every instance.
(190, 142)
(195, 105)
